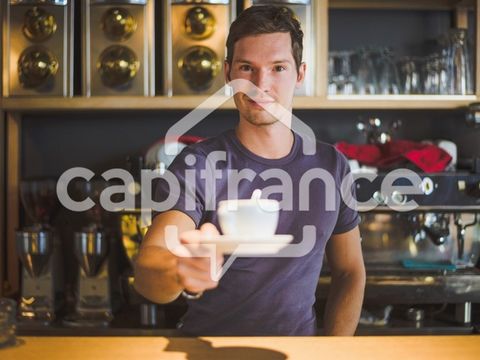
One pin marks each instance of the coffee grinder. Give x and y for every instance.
(38, 247)
(93, 306)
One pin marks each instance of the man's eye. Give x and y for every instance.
(245, 68)
(279, 68)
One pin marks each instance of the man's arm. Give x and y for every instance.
(155, 266)
(345, 297)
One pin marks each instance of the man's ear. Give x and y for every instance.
(301, 75)
(226, 71)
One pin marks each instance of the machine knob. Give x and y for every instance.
(199, 66)
(118, 24)
(474, 190)
(427, 186)
(379, 198)
(118, 65)
(39, 25)
(398, 198)
(36, 66)
(199, 23)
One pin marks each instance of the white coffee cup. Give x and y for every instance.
(249, 218)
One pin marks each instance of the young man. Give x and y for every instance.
(258, 296)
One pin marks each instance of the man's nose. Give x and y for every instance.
(262, 80)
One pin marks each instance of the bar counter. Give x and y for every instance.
(250, 348)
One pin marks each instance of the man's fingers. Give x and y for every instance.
(209, 229)
(190, 237)
(202, 264)
(193, 280)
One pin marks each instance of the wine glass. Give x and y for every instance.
(458, 63)
(410, 75)
(366, 81)
(388, 83)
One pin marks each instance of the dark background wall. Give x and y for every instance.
(407, 32)
(52, 143)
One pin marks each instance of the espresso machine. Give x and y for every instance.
(39, 249)
(93, 306)
(422, 265)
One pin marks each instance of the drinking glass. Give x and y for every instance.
(432, 74)
(410, 75)
(458, 63)
(346, 71)
(442, 69)
(341, 80)
(388, 83)
(333, 83)
(366, 81)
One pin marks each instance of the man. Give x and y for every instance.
(258, 296)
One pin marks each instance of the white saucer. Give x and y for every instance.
(247, 246)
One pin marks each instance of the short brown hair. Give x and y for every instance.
(266, 19)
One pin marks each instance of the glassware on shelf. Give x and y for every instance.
(388, 80)
(432, 74)
(458, 63)
(443, 81)
(375, 70)
(341, 80)
(332, 75)
(410, 79)
(349, 79)
(365, 78)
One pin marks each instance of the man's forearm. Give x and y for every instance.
(155, 277)
(344, 304)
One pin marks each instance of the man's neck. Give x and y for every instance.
(269, 141)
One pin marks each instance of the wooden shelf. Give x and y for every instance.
(110, 103)
(399, 101)
(340, 102)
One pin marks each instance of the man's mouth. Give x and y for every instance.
(260, 102)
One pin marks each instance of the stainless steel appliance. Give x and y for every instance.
(38, 247)
(195, 33)
(303, 10)
(38, 48)
(92, 251)
(93, 300)
(423, 258)
(118, 47)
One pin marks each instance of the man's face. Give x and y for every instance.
(265, 60)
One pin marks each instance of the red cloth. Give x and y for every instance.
(428, 157)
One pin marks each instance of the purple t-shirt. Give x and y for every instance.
(270, 296)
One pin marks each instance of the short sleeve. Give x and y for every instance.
(348, 217)
(182, 184)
